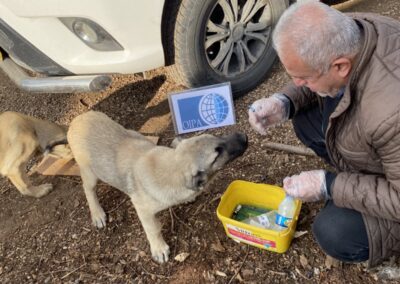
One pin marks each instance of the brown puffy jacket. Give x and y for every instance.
(363, 135)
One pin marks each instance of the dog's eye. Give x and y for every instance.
(219, 150)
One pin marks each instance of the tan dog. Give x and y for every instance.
(20, 137)
(154, 177)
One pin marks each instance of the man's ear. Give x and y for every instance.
(176, 141)
(342, 66)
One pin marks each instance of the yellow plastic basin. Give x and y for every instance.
(259, 195)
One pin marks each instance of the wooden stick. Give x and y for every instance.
(289, 148)
(346, 5)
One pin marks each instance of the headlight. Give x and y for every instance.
(91, 34)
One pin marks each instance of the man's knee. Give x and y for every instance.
(341, 233)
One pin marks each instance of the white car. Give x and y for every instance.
(75, 45)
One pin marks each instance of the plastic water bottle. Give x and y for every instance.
(285, 213)
(264, 221)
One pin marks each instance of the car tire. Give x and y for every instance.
(217, 41)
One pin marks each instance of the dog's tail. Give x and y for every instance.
(49, 147)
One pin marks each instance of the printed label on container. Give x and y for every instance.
(282, 220)
(247, 236)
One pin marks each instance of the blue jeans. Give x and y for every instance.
(340, 232)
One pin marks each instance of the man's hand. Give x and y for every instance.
(266, 112)
(307, 186)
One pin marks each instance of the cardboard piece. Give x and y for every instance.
(51, 166)
(153, 139)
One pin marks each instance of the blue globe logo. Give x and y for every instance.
(213, 108)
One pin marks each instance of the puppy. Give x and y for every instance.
(20, 138)
(154, 177)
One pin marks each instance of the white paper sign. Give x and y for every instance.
(202, 108)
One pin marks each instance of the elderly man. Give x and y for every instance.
(345, 105)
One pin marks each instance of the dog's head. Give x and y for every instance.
(206, 154)
(61, 151)
(58, 149)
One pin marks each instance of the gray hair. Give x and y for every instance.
(318, 32)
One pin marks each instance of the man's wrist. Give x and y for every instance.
(287, 104)
(329, 178)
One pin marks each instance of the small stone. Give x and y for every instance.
(182, 256)
(331, 262)
(220, 273)
(119, 269)
(247, 272)
(303, 261)
(217, 247)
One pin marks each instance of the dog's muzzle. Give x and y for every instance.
(236, 144)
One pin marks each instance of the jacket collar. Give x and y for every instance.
(368, 47)
(369, 38)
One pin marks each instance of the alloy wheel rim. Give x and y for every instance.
(237, 35)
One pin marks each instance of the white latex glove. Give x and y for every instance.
(307, 186)
(267, 112)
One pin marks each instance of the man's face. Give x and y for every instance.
(324, 84)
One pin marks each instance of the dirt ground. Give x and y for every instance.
(51, 240)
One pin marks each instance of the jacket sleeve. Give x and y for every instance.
(375, 195)
(301, 97)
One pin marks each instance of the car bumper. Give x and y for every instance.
(135, 24)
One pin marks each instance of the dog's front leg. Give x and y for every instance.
(152, 228)
(89, 181)
(14, 165)
(20, 180)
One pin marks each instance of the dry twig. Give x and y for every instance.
(69, 273)
(238, 270)
(5, 190)
(180, 221)
(172, 220)
(153, 274)
(301, 274)
(277, 272)
(116, 207)
(70, 179)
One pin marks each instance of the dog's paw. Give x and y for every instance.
(161, 253)
(99, 218)
(41, 190)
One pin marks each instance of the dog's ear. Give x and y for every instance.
(60, 151)
(176, 141)
(197, 181)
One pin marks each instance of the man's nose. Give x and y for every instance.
(299, 82)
